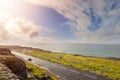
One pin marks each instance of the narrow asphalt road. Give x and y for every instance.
(62, 72)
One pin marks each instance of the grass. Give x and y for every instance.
(104, 67)
(32, 69)
(37, 72)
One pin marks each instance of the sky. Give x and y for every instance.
(56, 21)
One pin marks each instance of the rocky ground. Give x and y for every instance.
(6, 73)
(11, 67)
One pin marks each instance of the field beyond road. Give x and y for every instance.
(105, 67)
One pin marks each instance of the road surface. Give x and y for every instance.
(62, 72)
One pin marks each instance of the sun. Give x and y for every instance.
(10, 10)
(10, 25)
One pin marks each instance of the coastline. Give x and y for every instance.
(107, 67)
(32, 48)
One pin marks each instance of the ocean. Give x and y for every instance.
(96, 50)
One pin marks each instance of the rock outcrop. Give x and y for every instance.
(5, 51)
(16, 65)
(6, 73)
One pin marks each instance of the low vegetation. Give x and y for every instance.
(20, 67)
(39, 73)
(16, 65)
(105, 67)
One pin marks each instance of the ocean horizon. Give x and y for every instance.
(95, 50)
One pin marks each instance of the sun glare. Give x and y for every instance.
(9, 9)
(6, 3)
(10, 25)
(7, 6)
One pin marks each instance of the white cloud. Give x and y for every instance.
(68, 8)
(114, 13)
(22, 30)
(74, 11)
(3, 32)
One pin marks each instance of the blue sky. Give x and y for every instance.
(83, 21)
(51, 19)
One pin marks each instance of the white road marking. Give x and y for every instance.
(57, 76)
(45, 68)
(67, 75)
(74, 71)
(90, 76)
(34, 61)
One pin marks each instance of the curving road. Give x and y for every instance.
(62, 72)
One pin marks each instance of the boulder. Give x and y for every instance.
(17, 66)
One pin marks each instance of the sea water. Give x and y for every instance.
(97, 50)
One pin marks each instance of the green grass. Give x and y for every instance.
(37, 72)
(33, 70)
(104, 67)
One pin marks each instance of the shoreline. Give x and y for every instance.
(112, 58)
(32, 48)
(109, 57)
(107, 67)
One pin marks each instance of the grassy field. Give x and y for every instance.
(104, 67)
(38, 73)
(35, 71)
